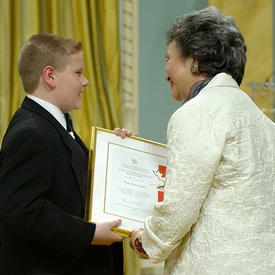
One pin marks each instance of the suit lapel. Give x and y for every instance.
(76, 160)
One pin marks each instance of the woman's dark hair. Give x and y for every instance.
(211, 38)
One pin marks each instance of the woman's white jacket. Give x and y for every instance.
(218, 213)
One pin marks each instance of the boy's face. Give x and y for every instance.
(70, 84)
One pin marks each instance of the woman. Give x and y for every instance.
(218, 212)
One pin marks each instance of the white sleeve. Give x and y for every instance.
(195, 142)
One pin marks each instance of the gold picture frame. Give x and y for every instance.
(127, 177)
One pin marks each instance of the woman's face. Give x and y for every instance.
(178, 72)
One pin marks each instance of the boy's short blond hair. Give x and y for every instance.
(41, 50)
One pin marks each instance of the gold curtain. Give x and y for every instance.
(255, 20)
(96, 24)
(102, 107)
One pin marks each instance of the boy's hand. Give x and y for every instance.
(104, 234)
(123, 132)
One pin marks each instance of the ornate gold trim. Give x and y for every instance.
(129, 53)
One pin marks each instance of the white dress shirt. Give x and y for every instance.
(53, 110)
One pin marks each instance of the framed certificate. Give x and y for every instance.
(127, 179)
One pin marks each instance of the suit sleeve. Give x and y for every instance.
(25, 178)
(195, 145)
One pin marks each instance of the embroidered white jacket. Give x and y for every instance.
(218, 213)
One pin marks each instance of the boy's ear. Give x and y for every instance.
(48, 75)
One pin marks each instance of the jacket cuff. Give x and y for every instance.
(157, 250)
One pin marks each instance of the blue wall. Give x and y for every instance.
(155, 102)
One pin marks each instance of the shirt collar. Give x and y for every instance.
(52, 109)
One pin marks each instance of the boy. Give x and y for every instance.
(43, 172)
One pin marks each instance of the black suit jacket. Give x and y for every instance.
(43, 177)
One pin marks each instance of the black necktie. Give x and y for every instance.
(69, 122)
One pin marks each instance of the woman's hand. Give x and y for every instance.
(136, 244)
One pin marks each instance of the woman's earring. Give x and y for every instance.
(195, 67)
